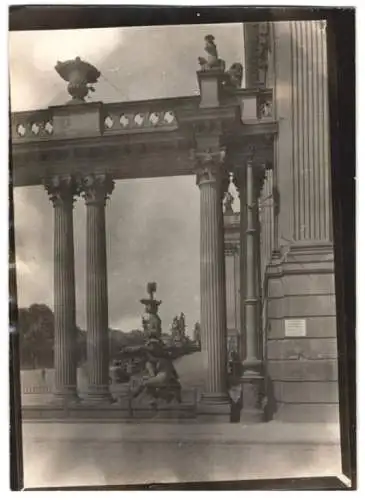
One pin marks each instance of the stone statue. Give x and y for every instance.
(182, 325)
(151, 321)
(212, 62)
(228, 202)
(234, 76)
(197, 333)
(175, 331)
(161, 380)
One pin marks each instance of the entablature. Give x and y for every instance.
(134, 139)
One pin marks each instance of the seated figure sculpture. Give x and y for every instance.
(161, 380)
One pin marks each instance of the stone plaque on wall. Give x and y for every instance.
(295, 328)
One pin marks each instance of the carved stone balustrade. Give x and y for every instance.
(134, 139)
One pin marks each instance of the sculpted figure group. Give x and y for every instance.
(232, 77)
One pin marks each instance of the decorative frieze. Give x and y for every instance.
(257, 49)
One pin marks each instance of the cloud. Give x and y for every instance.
(152, 224)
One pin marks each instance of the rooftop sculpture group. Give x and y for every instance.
(81, 75)
(232, 77)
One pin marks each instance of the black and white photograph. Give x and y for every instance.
(174, 260)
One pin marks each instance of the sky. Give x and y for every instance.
(152, 224)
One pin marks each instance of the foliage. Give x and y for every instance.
(36, 333)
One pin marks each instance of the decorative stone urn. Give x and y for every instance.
(80, 76)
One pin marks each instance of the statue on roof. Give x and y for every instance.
(212, 62)
(234, 76)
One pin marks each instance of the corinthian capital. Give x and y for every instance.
(209, 165)
(96, 188)
(61, 189)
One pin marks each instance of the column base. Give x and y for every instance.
(214, 408)
(65, 399)
(98, 396)
(253, 397)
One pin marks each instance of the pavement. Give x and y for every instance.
(74, 454)
(188, 431)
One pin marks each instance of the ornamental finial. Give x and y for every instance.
(79, 75)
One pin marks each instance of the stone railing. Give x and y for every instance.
(136, 117)
(32, 125)
(256, 104)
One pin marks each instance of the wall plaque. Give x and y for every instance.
(295, 328)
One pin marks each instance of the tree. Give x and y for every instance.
(36, 330)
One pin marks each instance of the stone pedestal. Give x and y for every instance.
(62, 190)
(215, 402)
(96, 189)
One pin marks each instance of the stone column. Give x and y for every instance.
(212, 282)
(311, 165)
(61, 190)
(252, 380)
(240, 182)
(96, 189)
(259, 178)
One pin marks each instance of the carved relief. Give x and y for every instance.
(61, 189)
(96, 188)
(258, 47)
(231, 248)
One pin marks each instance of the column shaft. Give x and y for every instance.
(212, 278)
(311, 169)
(61, 191)
(243, 279)
(96, 190)
(251, 271)
(258, 272)
(97, 300)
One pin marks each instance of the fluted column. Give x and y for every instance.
(61, 190)
(212, 275)
(311, 168)
(96, 189)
